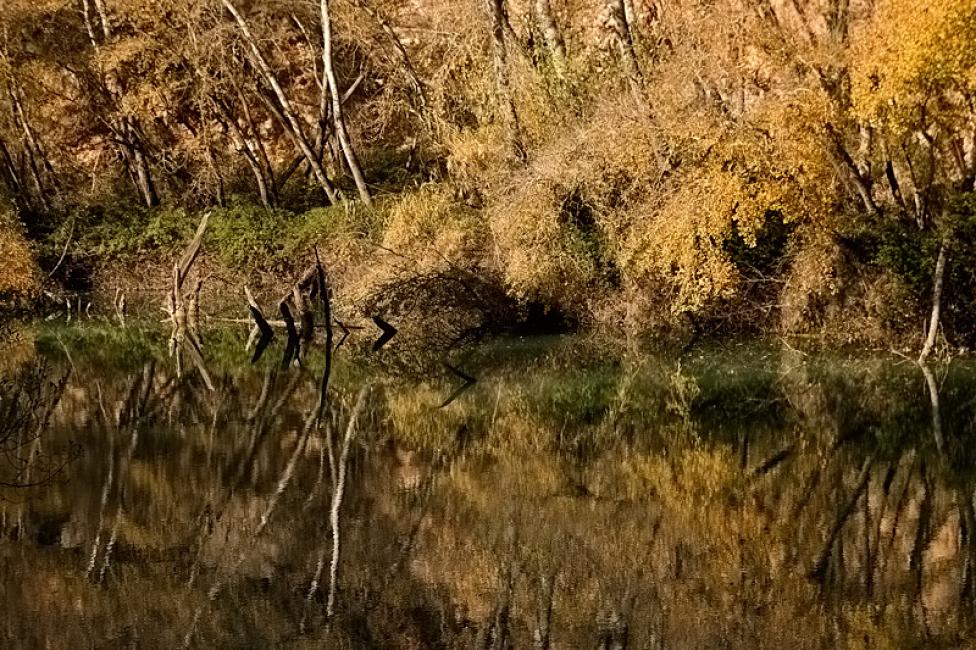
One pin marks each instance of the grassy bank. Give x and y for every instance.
(424, 257)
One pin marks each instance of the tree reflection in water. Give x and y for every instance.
(744, 497)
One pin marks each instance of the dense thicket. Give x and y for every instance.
(804, 164)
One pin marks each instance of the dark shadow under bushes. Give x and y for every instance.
(450, 307)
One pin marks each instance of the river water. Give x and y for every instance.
(738, 496)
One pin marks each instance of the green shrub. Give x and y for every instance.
(119, 231)
(249, 236)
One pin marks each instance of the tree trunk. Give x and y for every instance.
(103, 16)
(340, 125)
(10, 174)
(30, 151)
(89, 26)
(256, 145)
(288, 113)
(144, 178)
(840, 19)
(625, 43)
(246, 149)
(337, 495)
(933, 390)
(220, 193)
(541, 635)
(937, 281)
(496, 10)
(551, 35)
(861, 183)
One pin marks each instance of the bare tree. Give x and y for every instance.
(340, 125)
(290, 117)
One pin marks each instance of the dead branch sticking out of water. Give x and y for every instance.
(184, 312)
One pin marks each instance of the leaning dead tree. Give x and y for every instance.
(290, 119)
(184, 309)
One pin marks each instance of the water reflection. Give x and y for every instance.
(570, 498)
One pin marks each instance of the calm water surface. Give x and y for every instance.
(573, 497)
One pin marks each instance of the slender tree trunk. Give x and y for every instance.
(29, 150)
(894, 185)
(933, 390)
(934, 318)
(132, 145)
(847, 164)
(541, 635)
(103, 16)
(551, 35)
(290, 169)
(244, 147)
(340, 125)
(32, 142)
(10, 174)
(288, 113)
(820, 566)
(214, 168)
(625, 43)
(503, 92)
(141, 163)
(256, 145)
(337, 495)
(89, 26)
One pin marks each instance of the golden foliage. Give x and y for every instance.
(909, 54)
(430, 226)
(19, 278)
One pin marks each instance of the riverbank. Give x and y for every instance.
(419, 261)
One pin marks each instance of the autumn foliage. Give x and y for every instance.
(19, 273)
(649, 164)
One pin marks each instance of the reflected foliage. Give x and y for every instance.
(571, 497)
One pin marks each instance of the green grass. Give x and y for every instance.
(242, 236)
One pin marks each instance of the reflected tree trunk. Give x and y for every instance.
(820, 566)
(933, 391)
(540, 638)
(337, 496)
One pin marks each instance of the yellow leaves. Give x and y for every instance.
(541, 256)
(683, 241)
(19, 277)
(430, 225)
(909, 53)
